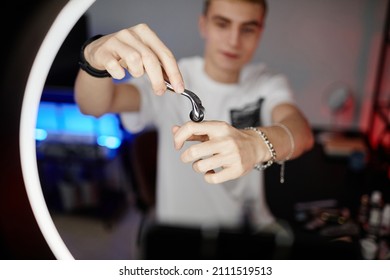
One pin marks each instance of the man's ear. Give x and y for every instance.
(202, 26)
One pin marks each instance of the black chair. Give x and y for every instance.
(144, 166)
(143, 163)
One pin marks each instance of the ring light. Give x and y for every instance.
(56, 35)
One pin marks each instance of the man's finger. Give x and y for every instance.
(206, 164)
(199, 151)
(191, 130)
(164, 55)
(143, 57)
(224, 175)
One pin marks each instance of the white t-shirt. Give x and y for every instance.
(183, 196)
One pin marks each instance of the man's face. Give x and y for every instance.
(231, 30)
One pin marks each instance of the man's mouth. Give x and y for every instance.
(230, 55)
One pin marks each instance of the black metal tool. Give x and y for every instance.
(197, 112)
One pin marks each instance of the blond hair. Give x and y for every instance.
(263, 3)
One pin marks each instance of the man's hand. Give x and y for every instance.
(140, 51)
(222, 146)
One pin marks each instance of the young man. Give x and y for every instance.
(205, 170)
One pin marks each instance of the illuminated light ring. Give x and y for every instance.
(50, 46)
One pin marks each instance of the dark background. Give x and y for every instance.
(24, 25)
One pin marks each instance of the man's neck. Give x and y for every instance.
(220, 75)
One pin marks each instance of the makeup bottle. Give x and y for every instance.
(385, 222)
(384, 234)
(363, 212)
(375, 217)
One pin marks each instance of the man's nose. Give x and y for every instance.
(234, 37)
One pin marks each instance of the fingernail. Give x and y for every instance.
(179, 88)
(118, 75)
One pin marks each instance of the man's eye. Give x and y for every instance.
(221, 24)
(248, 30)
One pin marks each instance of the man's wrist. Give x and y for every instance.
(84, 64)
(270, 147)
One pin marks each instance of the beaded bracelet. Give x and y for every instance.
(260, 166)
(88, 67)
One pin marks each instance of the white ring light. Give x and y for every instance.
(56, 35)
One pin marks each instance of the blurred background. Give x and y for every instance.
(334, 54)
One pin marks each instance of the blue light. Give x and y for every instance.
(110, 142)
(72, 121)
(108, 124)
(47, 117)
(61, 120)
(40, 134)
